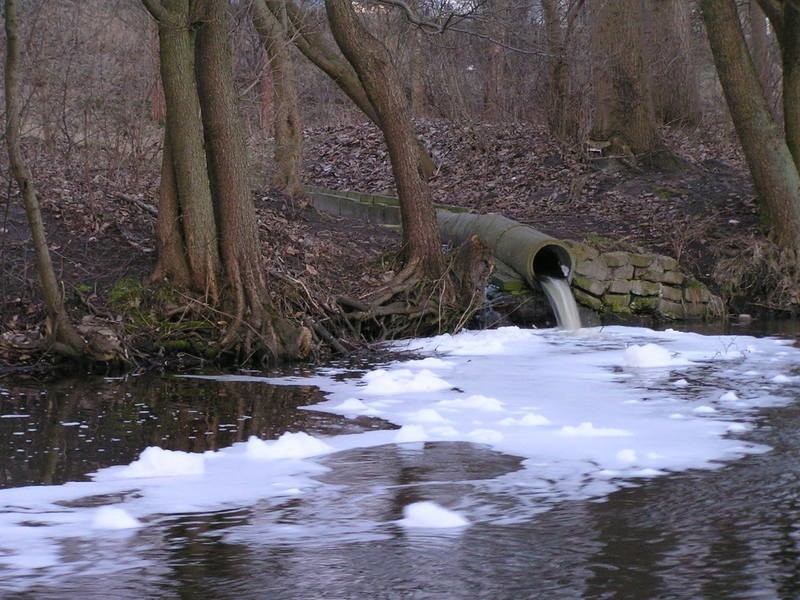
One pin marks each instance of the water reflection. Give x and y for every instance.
(75, 427)
(727, 533)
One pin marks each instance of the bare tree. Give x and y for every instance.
(377, 73)
(287, 126)
(668, 50)
(773, 157)
(326, 56)
(561, 115)
(63, 337)
(207, 224)
(784, 16)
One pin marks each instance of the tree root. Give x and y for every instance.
(411, 305)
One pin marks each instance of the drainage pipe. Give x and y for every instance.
(528, 251)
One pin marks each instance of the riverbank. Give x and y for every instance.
(100, 215)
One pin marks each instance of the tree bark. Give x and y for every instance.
(790, 52)
(373, 64)
(227, 166)
(560, 119)
(759, 43)
(63, 336)
(287, 123)
(186, 144)
(172, 262)
(624, 106)
(773, 169)
(673, 79)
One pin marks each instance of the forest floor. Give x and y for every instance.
(100, 218)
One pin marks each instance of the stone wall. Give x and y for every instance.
(637, 283)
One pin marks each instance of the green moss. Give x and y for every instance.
(126, 294)
(665, 192)
(176, 345)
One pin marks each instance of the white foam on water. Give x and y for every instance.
(588, 413)
(429, 515)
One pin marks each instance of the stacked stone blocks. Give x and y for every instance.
(638, 283)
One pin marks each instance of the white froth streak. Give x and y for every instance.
(586, 410)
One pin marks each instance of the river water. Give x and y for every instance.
(728, 532)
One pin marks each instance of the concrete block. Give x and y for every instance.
(640, 287)
(616, 259)
(593, 286)
(617, 303)
(674, 294)
(585, 299)
(642, 260)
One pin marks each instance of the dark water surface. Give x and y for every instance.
(729, 533)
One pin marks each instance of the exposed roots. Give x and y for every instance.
(413, 305)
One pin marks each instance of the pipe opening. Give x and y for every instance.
(552, 261)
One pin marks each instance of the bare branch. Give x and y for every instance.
(433, 28)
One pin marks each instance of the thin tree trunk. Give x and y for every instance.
(774, 172)
(674, 83)
(373, 63)
(759, 42)
(560, 119)
(64, 337)
(172, 263)
(287, 120)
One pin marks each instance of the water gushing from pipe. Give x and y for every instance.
(562, 301)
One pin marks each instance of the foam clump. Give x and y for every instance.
(157, 462)
(474, 402)
(427, 415)
(402, 381)
(351, 405)
(589, 430)
(429, 515)
(289, 445)
(648, 355)
(527, 420)
(112, 517)
(411, 433)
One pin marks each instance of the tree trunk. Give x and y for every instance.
(316, 49)
(63, 336)
(759, 44)
(790, 53)
(207, 153)
(560, 119)
(624, 106)
(172, 261)
(382, 84)
(287, 124)
(774, 172)
(669, 48)
(186, 144)
(227, 167)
